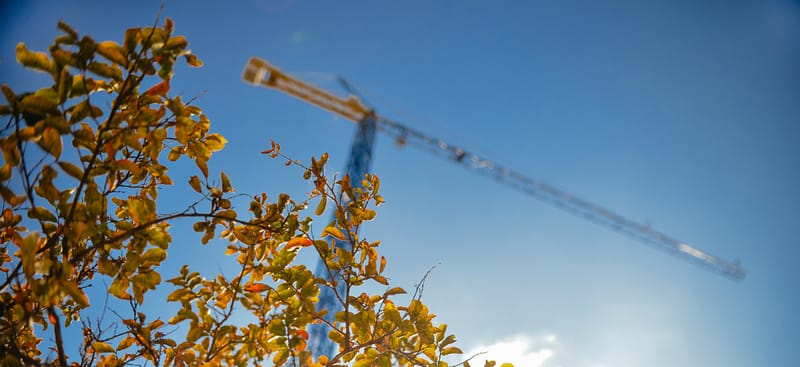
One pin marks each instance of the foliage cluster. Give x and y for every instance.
(80, 181)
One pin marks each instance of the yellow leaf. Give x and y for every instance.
(71, 169)
(194, 334)
(132, 38)
(226, 183)
(76, 294)
(215, 142)
(10, 197)
(125, 343)
(141, 210)
(106, 71)
(41, 213)
(155, 255)
(112, 51)
(119, 288)
(5, 172)
(38, 105)
(202, 165)
(33, 60)
(281, 357)
(51, 142)
(175, 153)
(101, 347)
(129, 166)
(395, 290)
(177, 42)
(334, 232)
(196, 185)
(452, 350)
(148, 279)
(192, 60)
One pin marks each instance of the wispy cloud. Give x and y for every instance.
(521, 350)
(298, 37)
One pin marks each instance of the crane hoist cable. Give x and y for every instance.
(260, 72)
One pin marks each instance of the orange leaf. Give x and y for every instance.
(160, 89)
(256, 287)
(298, 242)
(303, 334)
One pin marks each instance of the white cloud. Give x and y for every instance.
(521, 350)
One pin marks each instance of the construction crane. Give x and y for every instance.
(260, 73)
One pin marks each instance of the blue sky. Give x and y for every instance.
(682, 114)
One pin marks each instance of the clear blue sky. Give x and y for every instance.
(682, 114)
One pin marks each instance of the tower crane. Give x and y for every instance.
(261, 73)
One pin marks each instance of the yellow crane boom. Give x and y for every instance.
(259, 72)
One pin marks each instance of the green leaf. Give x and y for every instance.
(323, 200)
(41, 214)
(228, 214)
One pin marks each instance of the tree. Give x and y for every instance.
(80, 186)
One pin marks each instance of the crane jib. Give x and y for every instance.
(260, 72)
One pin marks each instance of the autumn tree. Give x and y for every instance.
(84, 161)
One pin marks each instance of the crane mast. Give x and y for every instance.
(260, 72)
